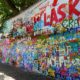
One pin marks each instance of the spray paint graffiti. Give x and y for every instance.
(44, 55)
(49, 14)
(56, 51)
(70, 23)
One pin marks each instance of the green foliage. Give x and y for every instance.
(10, 8)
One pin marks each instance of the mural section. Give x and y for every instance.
(45, 39)
(47, 17)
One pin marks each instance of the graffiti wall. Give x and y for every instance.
(47, 16)
(45, 39)
(44, 54)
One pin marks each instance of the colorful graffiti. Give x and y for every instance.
(51, 14)
(46, 41)
(21, 29)
(44, 54)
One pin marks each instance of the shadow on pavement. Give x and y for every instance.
(19, 74)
